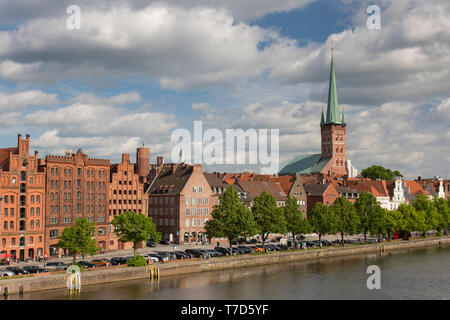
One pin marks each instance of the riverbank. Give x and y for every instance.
(58, 281)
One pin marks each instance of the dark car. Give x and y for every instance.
(165, 242)
(35, 269)
(16, 270)
(118, 261)
(86, 264)
(196, 253)
(151, 244)
(185, 254)
(246, 250)
(56, 266)
(224, 250)
(252, 241)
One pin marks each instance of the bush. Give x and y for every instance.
(137, 261)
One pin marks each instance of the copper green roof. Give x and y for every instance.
(333, 114)
(305, 164)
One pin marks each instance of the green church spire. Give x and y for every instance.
(333, 114)
(343, 117)
(322, 120)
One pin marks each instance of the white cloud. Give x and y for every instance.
(24, 99)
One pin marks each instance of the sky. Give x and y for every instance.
(137, 70)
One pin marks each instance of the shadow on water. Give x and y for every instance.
(412, 274)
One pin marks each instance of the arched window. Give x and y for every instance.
(23, 176)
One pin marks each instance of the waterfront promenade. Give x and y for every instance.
(123, 273)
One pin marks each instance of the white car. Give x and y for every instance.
(153, 259)
(5, 273)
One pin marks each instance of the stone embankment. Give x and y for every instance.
(58, 280)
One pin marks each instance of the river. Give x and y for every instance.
(412, 274)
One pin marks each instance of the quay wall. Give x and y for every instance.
(58, 280)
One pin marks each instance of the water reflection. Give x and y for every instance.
(332, 278)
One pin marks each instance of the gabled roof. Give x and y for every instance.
(214, 181)
(4, 157)
(377, 187)
(169, 182)
(255, 188)
(316, 190)
(415, 188)
(305, 164)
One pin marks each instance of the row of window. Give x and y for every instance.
(114, 212)
(68, 196)
(201, 201)
(125, 192)
(89, 172)
(55, 209)
(54, 184)
(54, 233)
(22, 212)
(156, 211)
(66, 220)
(33, 223)
(21, 241)
(195, 222)
(197, 211)
(162, 200)
(125, 201)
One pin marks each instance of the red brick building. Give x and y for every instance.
(324, 193)
(76, 187)
(180, 202)
(332, 159)
(127, 191)
(22, 186)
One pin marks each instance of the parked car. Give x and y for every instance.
(277, 239)
(245, 249)
(101, 262)
(16, 270)
(165, 242)
(154, 256)
(151, 259)
(226, 251)
(257, 249)
(194, 252)
(35, 269)
(6, 273)
(118, 261)
(55, 266)
(87, 265)
(151, 244)
(184, 254)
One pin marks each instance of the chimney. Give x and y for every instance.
(174, 168)
(419, 178)
(125, 158)
(159, 160)
(197, 168)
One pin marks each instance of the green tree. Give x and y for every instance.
(79, 239)
(295, 222)
(433, 219)
(379, 172)
(393, 222)
(378, 222)
(413, 220)
(230, 218)
(322, 220)
(366, 207)
(347, 218)
(443, 208)
(268, 218)
(133, 227)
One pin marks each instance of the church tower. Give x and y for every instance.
(333, 131)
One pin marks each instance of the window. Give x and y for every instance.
(32, 224)
(79, 172)
(101, 219)
(66, 220)
(194, 201)
(22, 242)
(194, 189)
(200, 189)
(53, 220)
(188, 200)
(101, 231)
(193, 212)
(54, 233)
(206, 200)
(187, 223)
(23, 176)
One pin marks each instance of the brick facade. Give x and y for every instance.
(127, 192)
(22, 186)
(76, 187)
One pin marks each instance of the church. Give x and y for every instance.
(332, 159)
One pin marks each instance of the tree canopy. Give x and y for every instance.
(231, 218)
(268, 217)
(79, 239)
(322, 220)
(378, 172)
(133, 227)
(295, 222)
(347, 219)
